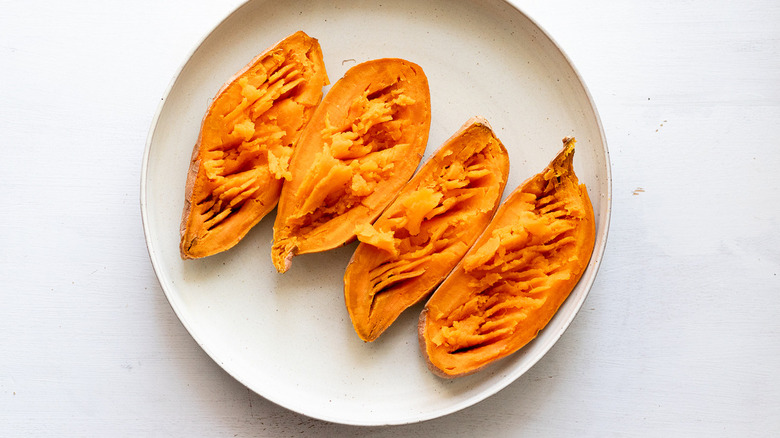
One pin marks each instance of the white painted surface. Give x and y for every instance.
(679, 336)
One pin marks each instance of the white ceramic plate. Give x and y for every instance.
(288, 337)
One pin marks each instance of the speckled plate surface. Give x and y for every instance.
(288, 337)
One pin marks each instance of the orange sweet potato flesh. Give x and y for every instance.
(515, 277)
(427, 229)
(361, 146)
(245, 144)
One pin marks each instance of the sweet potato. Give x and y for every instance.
(417, 241)
(361, 146)
(515, 277)
(246, 140)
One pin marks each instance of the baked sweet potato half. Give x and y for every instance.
(427, 229)
(246, 140)
(361, 146)
(515, 277)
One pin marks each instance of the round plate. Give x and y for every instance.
(288, 337)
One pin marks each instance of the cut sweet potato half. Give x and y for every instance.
(515, 277)
(423, 234)
(361, 146)
(245, 144)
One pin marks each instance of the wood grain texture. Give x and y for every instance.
(679, 335)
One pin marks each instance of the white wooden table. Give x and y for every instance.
(680, 335)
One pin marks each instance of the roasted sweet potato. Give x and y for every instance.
(427, 229)
(361, 146)
(515, 277)
(245, 144)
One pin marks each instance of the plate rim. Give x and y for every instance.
(594, 264)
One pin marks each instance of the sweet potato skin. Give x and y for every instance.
(516, 276)
(233, 181)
